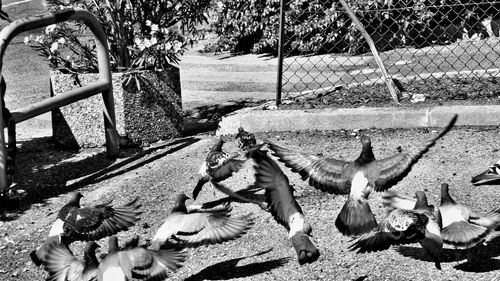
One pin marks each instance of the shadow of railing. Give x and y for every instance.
(44, 171)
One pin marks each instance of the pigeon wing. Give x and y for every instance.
(215, 227)
(140, 263)
(227, 168)
(326, 174)
(400, 227)
(278, 192)
(62, 265)
(389, 171)
(94, 223)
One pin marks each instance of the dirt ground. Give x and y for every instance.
(158, 173)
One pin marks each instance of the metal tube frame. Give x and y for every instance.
(104, 85)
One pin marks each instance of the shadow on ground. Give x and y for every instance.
(482, 256)
(43, 170)
(229, 269)
(206, 118)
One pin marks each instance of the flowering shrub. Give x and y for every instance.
(142, 34)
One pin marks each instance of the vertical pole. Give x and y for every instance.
(3, 156)
(388, 81)
(279, 82)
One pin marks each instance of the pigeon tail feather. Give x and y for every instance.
(306, 250)
(355, 218)
(462, 234)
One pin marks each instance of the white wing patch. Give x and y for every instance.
(78, 217)
(56, 228)
(295, 223)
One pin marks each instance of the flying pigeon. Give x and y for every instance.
(461, 227)
(62, 265)
(490, 176)
(247, 142)
(283, 206)
(404, 227)
(218, 166)
(75, 223)
(357, 178)
(192, 228)
(136, 263)
(245, 139)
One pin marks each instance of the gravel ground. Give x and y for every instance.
(158, 173)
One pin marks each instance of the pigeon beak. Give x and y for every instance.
(487, 177)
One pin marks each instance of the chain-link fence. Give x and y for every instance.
(425, 44)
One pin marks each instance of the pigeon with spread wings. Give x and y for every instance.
(283, 206)
(357, 178)
(404, 227)
(76, 223)
(195, 227)
(218, 166)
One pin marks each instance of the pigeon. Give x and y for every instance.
(62, 265)
(490, 176)
(283, 206)
(357, 178)
(405, 227)
(75, 223)
(192, 228)
(137, 263)
(245, 139)
(461, 227)
(217, 167)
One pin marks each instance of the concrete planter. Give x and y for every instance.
(142, 117)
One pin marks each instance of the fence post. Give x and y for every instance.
(359, 25)
(279, 82)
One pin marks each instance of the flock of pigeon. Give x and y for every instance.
(410, 220)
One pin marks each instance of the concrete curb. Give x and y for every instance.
(258, 120)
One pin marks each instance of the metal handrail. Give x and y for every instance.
(104, 85)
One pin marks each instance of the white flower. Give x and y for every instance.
(27, 40)
(139, 43)
(220, 5)
(50, 28)
(168, 46)
(53, 47)
(154, 28)
(39, 38)
(177, 46)
(68, 57)
(61, 41)
(148, 23)
(153, 41)
(147, 43)
(164, 30)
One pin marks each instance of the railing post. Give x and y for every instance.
(104, 85)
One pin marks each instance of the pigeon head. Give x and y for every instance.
(91, 246)
(75, 198)
(421, 200)
(180, 203)
(445, 195)
(218, 145)
(241, 130)
(113, 244)
(366, 155)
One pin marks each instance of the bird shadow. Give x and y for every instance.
(229, 269)
(249, 192)
(43, 170)
(482, 256)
